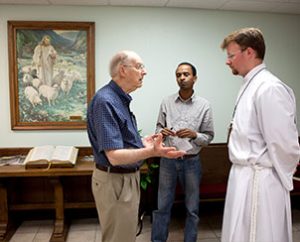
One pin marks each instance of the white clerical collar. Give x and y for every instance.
(253, 72)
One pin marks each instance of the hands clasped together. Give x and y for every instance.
(182, 133)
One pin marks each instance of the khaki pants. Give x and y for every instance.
(117, 198)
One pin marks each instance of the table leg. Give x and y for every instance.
(3, 212)
(60, 228)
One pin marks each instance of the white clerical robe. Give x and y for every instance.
(264, 151)
(44, 59)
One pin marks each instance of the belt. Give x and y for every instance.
(113, 169)
(187, 157)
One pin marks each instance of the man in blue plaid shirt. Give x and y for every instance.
(119, 150)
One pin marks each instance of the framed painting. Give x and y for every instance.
(52, 74)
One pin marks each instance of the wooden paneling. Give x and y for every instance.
(66, 188)
(215, 164)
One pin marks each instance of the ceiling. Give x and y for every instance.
(270, 6)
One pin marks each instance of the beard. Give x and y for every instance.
(234, 71)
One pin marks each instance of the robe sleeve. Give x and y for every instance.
(37, 55)
(276, 109)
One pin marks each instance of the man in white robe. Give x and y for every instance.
(263, 147)
(44, 58)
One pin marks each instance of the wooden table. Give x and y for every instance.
(59, 189)
(55, 180)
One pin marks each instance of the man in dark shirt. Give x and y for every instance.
(119, 150)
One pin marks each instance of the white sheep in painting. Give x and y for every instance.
(32, 95)
(36, 82)
(66, 85)
(57, 79)
(26, 69)
(27, 78)
(50, 93)
(74, 75)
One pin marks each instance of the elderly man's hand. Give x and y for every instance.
(155, 142)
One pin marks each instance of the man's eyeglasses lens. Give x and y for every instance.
(231, 56)
(138, 66)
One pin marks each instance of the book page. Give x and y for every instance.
(181, 143)
(62, 153)
(73, 158)
(41, 153)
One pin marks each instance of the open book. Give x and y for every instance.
(48, 156)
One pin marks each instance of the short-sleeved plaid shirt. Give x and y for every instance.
(110, 123)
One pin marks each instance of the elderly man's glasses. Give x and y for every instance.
(138, 66)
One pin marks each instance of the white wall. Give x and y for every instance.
(163, 38)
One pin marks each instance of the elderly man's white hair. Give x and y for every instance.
(122, 57)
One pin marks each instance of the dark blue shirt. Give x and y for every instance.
(110, 123)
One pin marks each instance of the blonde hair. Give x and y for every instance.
(247, 37)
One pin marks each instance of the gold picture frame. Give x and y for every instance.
(51, 73)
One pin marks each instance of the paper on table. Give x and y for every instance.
(12, 160)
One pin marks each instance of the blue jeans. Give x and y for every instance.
(188, 172)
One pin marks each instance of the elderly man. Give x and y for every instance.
(119, 150)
